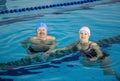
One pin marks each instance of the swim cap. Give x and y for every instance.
(85, 29)
(41, 25)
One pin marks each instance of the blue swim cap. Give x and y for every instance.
(40, 25)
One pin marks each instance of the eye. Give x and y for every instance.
(85, 33)
(38, 30)
(81, 33)
(43, 29)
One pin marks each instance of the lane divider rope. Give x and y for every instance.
(45, 6)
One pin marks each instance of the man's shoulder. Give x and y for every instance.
(51, 37)
(32, 38)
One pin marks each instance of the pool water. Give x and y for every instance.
(104, 22)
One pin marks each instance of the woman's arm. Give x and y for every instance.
(98, 52)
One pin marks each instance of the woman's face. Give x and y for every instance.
(84, 36)
(42, 32)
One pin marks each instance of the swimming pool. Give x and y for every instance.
(103, 20)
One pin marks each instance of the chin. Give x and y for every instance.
(83, 40)
(42, 36)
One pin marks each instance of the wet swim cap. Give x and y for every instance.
(85, 29)
(41, 25)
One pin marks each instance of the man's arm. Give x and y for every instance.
(53, 44)
(61, 51)
(24, 45)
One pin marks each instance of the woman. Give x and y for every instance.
(92, 52)
(89, 49)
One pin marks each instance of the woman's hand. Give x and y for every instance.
(93, 59)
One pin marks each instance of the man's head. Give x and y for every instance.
(41, 30)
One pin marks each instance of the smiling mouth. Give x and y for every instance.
(42, 33)
(82, 37)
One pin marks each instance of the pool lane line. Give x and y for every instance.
(31, 17)
(46, 6)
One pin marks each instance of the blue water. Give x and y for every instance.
(103, 20)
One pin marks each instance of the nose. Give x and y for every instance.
(81, 35)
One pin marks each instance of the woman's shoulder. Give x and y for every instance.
(93, 43)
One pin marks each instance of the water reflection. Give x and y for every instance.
(3, 5)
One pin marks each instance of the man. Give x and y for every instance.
(41, 42)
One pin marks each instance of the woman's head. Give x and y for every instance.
(84, 34)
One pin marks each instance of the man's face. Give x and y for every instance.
(42, 32)
(84, 36)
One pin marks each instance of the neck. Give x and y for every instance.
(85, 41)
(42, 38)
